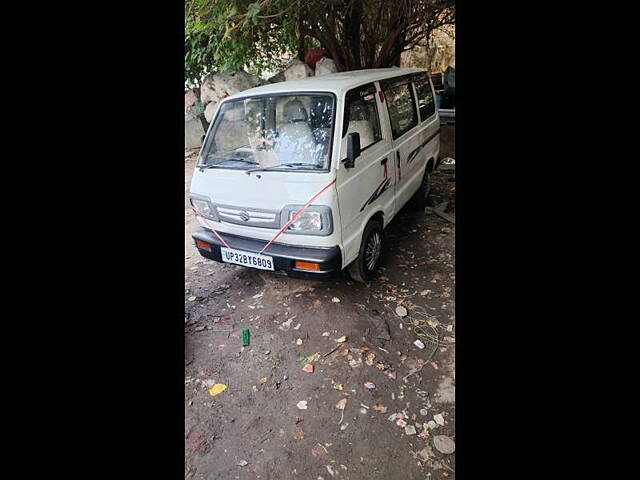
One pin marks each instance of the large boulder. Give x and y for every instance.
(220, 85)
(278, 77)
(297, 70)
(193, 131)
(325, 66)
(209, 110)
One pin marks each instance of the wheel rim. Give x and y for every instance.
(427, 185)
(372, 252)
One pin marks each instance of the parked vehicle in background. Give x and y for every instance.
(303, 176)
(446, 95)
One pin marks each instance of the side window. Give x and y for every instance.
(426, 103)
(361, 115)
(402, 108)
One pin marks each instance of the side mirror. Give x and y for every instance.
(353, 149)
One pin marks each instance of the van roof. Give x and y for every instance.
(337, 83)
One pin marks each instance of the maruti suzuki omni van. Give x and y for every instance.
(303, 176)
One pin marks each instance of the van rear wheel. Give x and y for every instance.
(364, 267)
(419, 200)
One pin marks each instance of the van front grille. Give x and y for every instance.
(254, 217)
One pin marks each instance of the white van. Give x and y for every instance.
(303, 176)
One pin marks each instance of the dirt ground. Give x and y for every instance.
(255, 430)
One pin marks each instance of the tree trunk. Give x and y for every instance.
(353, 22)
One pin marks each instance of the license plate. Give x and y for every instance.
(247, 259)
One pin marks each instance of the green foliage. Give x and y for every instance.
(223, 35)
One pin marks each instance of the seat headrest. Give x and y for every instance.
(294, 111)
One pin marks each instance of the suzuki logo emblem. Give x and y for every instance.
(245, 216)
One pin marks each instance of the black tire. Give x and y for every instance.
(364, 268)
(420, 198)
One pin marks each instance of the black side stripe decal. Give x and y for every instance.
(376, 194)
(415, 152)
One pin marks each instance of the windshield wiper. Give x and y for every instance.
(274, 167)
(215, 164)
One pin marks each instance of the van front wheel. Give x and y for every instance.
(363, 268)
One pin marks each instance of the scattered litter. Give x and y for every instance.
(335, 300)
(297, 326)
(245, 337)
(380, 408)
(319, 450)
(332, 350)
(370, 385)
(370, 358)
(308, 368)
(192, 299)
(326, 334)
(392, 417)
(392, 375)
(401, 311)
(424, 411)
(264, 379)
(341, 404)
(302, 404)
(401, 423)
(426, 453)
(331, 471)
(341, 339)
(217, 389)
(286, 325)
(439, 419)
(363, 411)
(424, 433)
(254, 389)
(299, 341)
(344, 352)
(338, 386)
(419, 344)
(298, 433)
(432, 425)
(410, 430)
(344, 426)
(243, 463)
(267, 352)
(444, 444)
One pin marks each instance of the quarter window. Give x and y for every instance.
(361, 115)
(426, 103)
(402, 109)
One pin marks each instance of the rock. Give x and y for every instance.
(190, 99)
(193, 132)
(297, 70)
(222, 84)
(401, 311)
(243, 463)
(325, 66)
(278, 77)
(210, 110)
(444, 444)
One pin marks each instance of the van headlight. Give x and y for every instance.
(204, 207)
(315, 220)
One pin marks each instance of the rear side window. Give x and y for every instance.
(361, 115)
(402, 108)
(426, 103)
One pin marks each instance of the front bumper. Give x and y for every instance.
(284, 256)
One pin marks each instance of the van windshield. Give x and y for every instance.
(288, 132)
